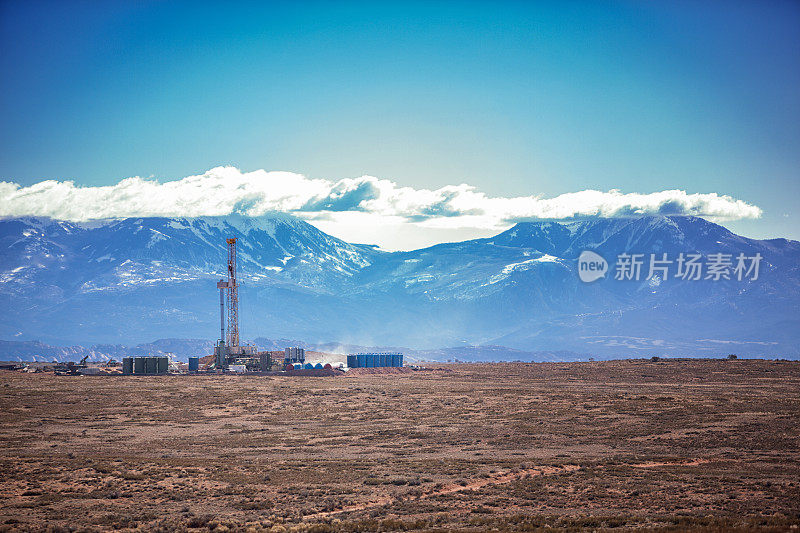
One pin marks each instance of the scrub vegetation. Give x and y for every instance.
(708, 445)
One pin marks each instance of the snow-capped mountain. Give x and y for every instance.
(521, 289)
(120, 279)
(133, 280)
(129, 253)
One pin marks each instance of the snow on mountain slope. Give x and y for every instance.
(132, 280)
(123, 254)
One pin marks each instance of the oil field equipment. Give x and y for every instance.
(375, 360)
(229, 353)
(70, 368)
(228, 350)
(294, 355)
(151, 364)
(265, 361)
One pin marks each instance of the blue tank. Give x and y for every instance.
(308, 366)
(352, 361)
(318, 366)
(362, 360)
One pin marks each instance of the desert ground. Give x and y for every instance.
(708, 445)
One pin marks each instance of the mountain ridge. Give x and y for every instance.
(124, 281)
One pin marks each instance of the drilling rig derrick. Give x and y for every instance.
(233, 296)
(228, 350)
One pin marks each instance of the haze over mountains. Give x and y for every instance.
(133, 280)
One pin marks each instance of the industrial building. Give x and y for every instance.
(375, 360)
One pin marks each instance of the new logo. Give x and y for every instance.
(591, 266)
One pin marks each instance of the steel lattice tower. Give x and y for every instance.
(233, 295)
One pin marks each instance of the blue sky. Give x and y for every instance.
(516, 98)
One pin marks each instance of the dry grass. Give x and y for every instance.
(672, 445)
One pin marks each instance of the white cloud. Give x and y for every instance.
(379, 203)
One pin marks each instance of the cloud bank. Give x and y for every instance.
(353, 201)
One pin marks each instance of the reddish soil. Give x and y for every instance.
(621, 445)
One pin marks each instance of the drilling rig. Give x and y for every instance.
(228, 351)
(233, 295)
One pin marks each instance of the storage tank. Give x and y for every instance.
(162, 364)
(361, 360)
(308, 366)
(352, 361)
(400, 360)
(127, 365)
(327, 366)
(139, 365)
(318, 366)
(288, 367)
(370, 360)
(194, 364)
(396, 359)
(150, 365)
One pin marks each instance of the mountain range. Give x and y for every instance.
(126, 282)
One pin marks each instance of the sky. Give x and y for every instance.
(407, 123)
